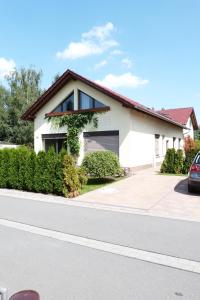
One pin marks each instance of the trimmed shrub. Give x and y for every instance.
(58, 179)
(169, 162)
(82, 176)
(43, 181)
(179, 159)
(23, 155)
(13, 170)
(30, 171)
(47, 172)
(101, 164)
(4, 167)
(173, 162)
(71, 182)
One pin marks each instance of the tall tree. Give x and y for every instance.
(24, 89)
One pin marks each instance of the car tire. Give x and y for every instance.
(190, 189)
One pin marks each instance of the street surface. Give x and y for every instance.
(73, 252)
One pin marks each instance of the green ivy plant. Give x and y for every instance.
(75, 124)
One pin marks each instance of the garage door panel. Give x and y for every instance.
(105, 141)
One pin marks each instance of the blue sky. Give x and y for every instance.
(147, 50)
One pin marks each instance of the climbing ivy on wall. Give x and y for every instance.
(75, 124)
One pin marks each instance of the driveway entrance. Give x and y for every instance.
(151, 193)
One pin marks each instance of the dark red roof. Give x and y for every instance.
(180, 115)
(70, 75)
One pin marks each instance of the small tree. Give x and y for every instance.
(169, 161)
(71, 181)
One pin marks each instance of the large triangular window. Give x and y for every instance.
(66, 105)
(86, 102)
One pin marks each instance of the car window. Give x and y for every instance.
(197, 160)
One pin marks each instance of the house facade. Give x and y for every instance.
(138, 135)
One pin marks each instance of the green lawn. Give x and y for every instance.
(95, 183)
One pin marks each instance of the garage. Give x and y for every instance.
(101, 140)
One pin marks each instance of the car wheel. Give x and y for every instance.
(190, 189)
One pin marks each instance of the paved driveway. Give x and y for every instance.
(151, 193)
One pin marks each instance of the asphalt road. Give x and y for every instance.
(65, 270)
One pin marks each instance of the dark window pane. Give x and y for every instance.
(66, 105)
(98, 104)
(86, 101)
(58, 144)
(49, 144)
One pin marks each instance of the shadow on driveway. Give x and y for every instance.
(182, 188)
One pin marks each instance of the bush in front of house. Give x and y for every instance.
(72, 185)
(191, 148)
(173, 162)
(101, 164)
(49, 172)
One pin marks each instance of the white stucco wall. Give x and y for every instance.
(143, 132)
(190, 130)
(136, 130)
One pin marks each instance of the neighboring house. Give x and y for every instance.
(139, 135)
(185, 116)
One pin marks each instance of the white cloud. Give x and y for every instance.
(99, 32)
(7, 66)
(101, 64)
(95, 41)
(127, 62)
(116, 52)
(126, 80)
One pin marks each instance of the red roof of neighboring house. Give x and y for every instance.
(180, 115)
(70, 75)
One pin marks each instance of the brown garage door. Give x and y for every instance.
(101, 140)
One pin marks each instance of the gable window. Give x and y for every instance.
(66, 105)
(86, 102)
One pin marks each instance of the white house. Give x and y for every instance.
(139, 135)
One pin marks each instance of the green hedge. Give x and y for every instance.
(176, 162)
(45, 172)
